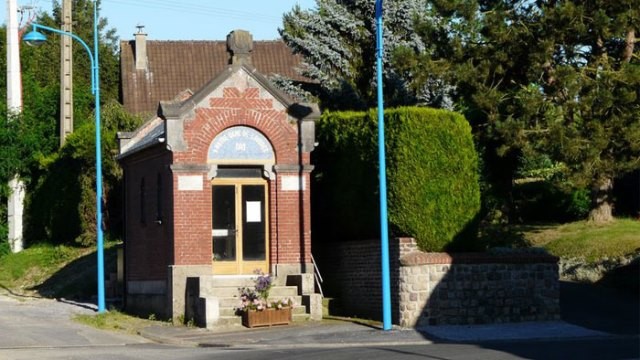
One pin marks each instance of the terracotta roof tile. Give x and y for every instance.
(174, 66)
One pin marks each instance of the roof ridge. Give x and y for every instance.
(200, 41)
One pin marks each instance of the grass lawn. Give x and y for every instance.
(54, 270)
(21, 272)
(117, 321)
(64, 271)
(585, 240)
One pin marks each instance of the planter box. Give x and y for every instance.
(268, 317)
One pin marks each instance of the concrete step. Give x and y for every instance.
(234, 281)
(226, 289)
(232, 303)
(220, 292)
(229, 320)
(300, 317)
(229, 302)
(223, 292)
(283, 291)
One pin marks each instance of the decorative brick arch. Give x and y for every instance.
(208, 123)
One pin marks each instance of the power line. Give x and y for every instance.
(199, 9)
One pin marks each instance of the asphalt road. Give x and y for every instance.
(42, 329)
(579, 350)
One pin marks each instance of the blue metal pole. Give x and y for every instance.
(384, 227)
(95, 88)
(100, 240)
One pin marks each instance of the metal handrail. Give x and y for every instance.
(316, 275)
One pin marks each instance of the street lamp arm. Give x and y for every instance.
(30, 37)
(34, 38)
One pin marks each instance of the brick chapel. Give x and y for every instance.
(217, 181)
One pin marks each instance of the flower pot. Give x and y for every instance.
(267, 317)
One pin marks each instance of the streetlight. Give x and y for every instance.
(384, 227)
(36, 38)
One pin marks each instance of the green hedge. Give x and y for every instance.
(432, 177)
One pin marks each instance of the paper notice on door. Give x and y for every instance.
(253, 211)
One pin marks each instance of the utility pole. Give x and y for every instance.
(15, 203)
(66, 74)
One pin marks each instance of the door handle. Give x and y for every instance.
(223, 232)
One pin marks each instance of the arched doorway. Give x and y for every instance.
(241, 160)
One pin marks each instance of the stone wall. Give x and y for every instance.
(439, 288)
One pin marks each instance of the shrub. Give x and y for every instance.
(544, 201)
(432, 176)
(61, 200)
(4, 248)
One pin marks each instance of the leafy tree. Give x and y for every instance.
(30, 142)
(71, 171)
(557, 78)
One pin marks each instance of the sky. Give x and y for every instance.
(188, 19)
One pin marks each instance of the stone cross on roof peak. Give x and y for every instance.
(240, 45)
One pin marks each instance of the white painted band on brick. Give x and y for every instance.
(293, 183)
(190, 183)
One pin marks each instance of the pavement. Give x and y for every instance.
(588, 312)
(37, 323)
(344, 333)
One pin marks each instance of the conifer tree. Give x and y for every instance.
(556, 77)
(337, 41)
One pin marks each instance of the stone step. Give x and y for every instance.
(229, 302)
(235, 281)
(300, 317)
(229, 320)
(283, 291)
(226, 289)
(222, 292)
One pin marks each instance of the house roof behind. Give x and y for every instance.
(175, 66)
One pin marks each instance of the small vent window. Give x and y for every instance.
(239, 172)
(142, 201)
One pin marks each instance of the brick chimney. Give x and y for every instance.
(142, 62)
(240, 46)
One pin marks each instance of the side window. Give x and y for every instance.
(159, 199)
(142, 201)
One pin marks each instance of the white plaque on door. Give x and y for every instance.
(253, 211)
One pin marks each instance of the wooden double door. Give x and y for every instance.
(240, 226)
